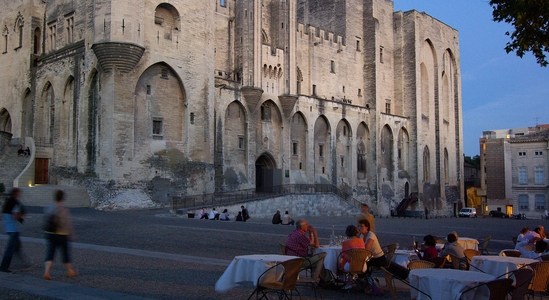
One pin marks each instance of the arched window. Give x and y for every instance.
(19, 28)
(37, 40)
(426, 164)
(5, 34)
(167, 17)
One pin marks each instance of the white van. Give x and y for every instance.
(469, 212)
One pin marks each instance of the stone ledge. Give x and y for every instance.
(122, 56)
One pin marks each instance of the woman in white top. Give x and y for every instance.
(371, 243)
(287, 220)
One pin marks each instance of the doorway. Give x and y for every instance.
(267, 175)
(41, 170)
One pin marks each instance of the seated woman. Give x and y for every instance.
(224, 215)
(239, 217)
(371, 243)
(429, 248)
(27, 152)
(353, 242)
(287, 220)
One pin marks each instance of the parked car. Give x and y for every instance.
(468, 212)
(498, 214)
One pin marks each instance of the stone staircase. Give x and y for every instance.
(42, 195)
(11, 166)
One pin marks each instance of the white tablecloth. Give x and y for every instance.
(447, 284)
(403, 257)
(466, 243)
(498, 265)
(247, 268)
(332, 253)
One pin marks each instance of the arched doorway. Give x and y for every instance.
(266, 174)
(5, 121)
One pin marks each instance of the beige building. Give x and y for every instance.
(192, 97)
(514, 164)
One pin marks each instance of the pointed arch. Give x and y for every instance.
(160, 118)
(363, 144)
(5, 120)
(426, 165)
(322, 150)
(403, 149)
(27, 117)
(343, 148)
(298, 145)
(387, 145)
(45, 115)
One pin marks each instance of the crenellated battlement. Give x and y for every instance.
(320, 36)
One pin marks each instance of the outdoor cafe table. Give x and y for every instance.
(498, 265)
(403, 257)
(466, 243)
(448, 284)
(248, 268)
(332, 254)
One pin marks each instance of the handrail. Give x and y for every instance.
(215, 199)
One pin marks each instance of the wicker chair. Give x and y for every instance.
(469, 253)
(266, 284)
(420, 264)
(313, 280)
(483, 247)
(358, 257)
(523, 277)
(509, 252)
(459, 263)
(541, 277)
(389, 283)
(499, 288)
(282, 248)
(438, 261)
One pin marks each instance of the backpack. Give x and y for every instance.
(51, 223)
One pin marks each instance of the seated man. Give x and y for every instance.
(20, 152)
(302, 239)
(541, 246)
(452, 247)
(277, 219)
(214, 215)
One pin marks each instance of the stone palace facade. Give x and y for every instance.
(191, 97)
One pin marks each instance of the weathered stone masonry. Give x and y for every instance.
(190, 97)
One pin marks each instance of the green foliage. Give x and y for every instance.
(531, 21)
(475, 161)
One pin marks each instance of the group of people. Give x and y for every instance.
(284, 220)
(242, 216)
(532, 243)
(58, 231)
(25, 152)
(303, 241)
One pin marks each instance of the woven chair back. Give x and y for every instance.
(420, 264)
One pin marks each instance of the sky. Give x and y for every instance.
(499, 90)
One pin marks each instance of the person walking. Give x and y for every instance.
(13, 212)
(58, 232)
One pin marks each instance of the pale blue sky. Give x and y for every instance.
(499, 90)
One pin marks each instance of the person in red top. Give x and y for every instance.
(353, 242)
(430, 249)
(301, 239)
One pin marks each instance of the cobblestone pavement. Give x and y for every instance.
(154, 254)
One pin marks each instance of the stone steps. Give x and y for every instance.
(42, 195)
(12, 165)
